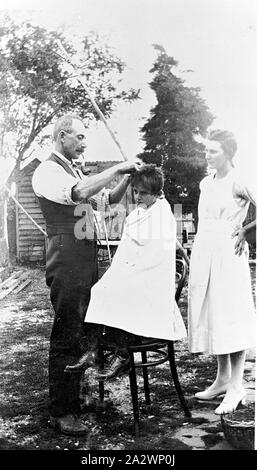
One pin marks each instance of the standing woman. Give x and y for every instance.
(221, 309)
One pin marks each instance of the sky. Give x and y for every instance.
(216, 39)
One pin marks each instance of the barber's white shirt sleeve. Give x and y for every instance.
(51, 181)
(54, 183)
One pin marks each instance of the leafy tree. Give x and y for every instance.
(179, 115)
(36, 85)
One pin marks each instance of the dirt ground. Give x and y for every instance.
(25, 324)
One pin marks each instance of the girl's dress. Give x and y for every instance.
(221, 314)
(137, 293)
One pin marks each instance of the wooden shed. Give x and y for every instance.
(27, 244)
(25, 239)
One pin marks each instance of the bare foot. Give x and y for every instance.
(230, 402)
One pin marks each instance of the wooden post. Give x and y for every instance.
(4, 248)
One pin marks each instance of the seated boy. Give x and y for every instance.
(136, 295)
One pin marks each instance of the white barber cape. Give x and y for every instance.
(137, 292)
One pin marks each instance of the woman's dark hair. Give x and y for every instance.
(150, 176)
(227, 141)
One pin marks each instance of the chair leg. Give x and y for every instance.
(146, 381)
(134, 394)
(176, 379)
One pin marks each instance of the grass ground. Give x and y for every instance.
(25, 324)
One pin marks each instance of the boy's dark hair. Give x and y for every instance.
(227, 141)
(150, 176)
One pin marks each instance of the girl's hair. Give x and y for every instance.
(227, 141)
(151, 177)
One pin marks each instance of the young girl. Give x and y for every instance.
(221, 309)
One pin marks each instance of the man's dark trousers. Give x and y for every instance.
(71, 271)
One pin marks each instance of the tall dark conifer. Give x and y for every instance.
(179, 115)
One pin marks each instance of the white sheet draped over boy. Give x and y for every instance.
(137, 292)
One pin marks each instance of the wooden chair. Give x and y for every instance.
(164, 351)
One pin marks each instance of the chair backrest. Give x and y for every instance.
(181, 272)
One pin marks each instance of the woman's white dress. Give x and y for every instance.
(221, 314)
(137, 292)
